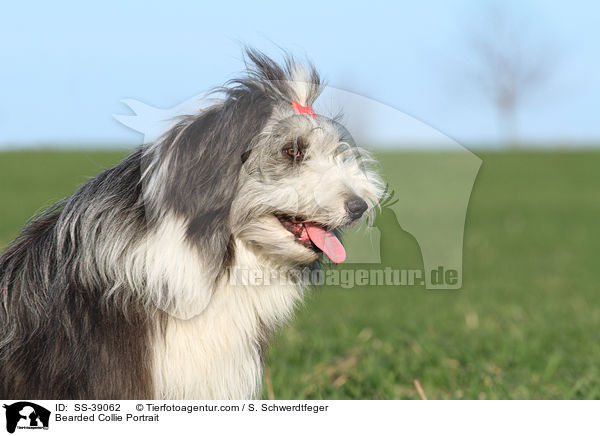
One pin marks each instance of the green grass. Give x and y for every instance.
(525, 324)
(30, 181)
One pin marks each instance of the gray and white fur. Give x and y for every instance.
(124, 289)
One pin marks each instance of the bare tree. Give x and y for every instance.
(510, 63)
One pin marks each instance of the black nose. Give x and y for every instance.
(356, 206)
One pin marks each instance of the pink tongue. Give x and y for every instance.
(327, 242)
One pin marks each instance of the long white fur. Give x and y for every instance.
(216, 355)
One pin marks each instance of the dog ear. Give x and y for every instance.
(188, 198)
(206, 160)
(203, 165)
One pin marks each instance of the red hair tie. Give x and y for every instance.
(303, 109)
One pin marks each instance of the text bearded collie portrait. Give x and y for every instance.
(124, 289)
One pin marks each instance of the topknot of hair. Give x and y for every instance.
(290, 81)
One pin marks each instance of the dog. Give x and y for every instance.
(125, 289)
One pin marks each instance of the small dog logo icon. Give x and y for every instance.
(24, 414)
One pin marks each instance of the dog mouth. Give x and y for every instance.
(314, 236)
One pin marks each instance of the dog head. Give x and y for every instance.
(262, 169)
(302, 180)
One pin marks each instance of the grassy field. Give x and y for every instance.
(526, 324)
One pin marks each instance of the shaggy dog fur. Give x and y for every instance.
(124, 290)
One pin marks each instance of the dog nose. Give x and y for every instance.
(356, 206)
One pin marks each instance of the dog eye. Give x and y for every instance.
(294, 152)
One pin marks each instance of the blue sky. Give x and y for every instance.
(67, 65)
